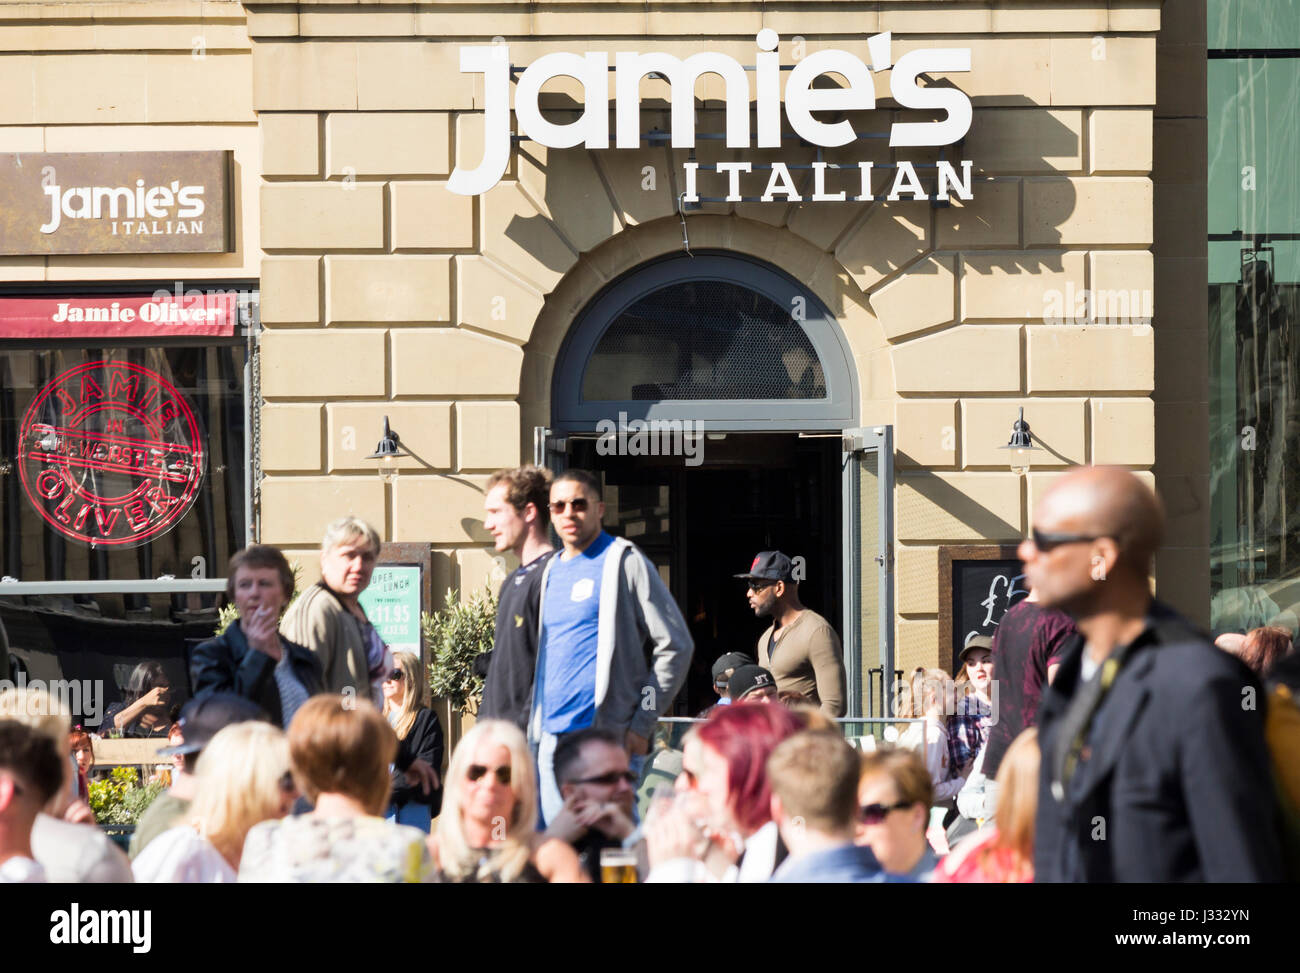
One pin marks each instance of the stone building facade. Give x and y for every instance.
(384, 294)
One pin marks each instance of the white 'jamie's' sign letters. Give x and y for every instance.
(802, 100)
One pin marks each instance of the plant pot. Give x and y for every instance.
(455, 724)
(120, 834)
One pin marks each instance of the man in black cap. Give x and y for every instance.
(799, 648)
(752, 684)
(723, 668)
(201, 720)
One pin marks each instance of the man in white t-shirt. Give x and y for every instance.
(31, 772)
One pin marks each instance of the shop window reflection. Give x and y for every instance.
(103, 637)
(1255, 446)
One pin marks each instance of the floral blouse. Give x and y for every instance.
(308, 848)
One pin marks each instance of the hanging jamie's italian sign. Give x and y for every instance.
(111, 454)
(802, 101)
(114, 202)
(163, 315)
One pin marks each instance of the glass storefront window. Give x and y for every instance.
(1254, 304)
(119, 464)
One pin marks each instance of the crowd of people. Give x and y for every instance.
(1098, 736)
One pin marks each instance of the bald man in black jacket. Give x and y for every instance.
(1154, 767)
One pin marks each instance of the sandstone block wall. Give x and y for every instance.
(384, 294)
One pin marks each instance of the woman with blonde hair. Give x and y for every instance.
(328, 617)
(1005, 851)
(487, 831)
(340, 750)
(929, 695)
(419, 736)
(243, 780)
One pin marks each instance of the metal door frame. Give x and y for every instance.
(880, 440)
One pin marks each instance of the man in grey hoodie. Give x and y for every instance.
(602, 604)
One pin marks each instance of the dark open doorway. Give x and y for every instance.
(702, 524)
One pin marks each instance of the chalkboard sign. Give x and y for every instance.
(977, 584)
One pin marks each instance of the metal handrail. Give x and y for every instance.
(833, 719)
(128, 587)
(842, 720)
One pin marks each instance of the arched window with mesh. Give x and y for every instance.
(704, 339)
(716, 336)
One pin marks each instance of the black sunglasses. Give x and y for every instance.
(394, 676)
(477, 771)
(759, 585)
(1046, 541)
(579, 505)
(609, 779)
(875, 813)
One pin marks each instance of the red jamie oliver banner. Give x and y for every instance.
(179, 315)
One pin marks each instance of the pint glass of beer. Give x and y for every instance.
(617, 866)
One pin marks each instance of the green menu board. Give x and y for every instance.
(392, 603)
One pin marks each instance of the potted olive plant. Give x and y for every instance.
(454, 636)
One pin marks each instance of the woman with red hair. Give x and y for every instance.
(719, 825)
(83, 755)
(1262, 648)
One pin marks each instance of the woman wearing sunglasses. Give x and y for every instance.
(487, 831)
(894, 795)
(419, 736)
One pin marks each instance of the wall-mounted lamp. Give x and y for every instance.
(1021, 445)
(388, 452)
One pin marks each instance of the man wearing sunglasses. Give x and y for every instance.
(1154, 767)
(799, 648)
(599, 791)
(602, 604)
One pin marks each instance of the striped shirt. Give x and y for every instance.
(292, 692)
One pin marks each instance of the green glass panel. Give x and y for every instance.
(1268, 140)
(1225, 262)
(1225, 170)
(1252, 24)
(1254, 307)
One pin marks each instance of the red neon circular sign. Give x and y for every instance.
(111, 454)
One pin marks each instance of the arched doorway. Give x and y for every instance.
(713, 395)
